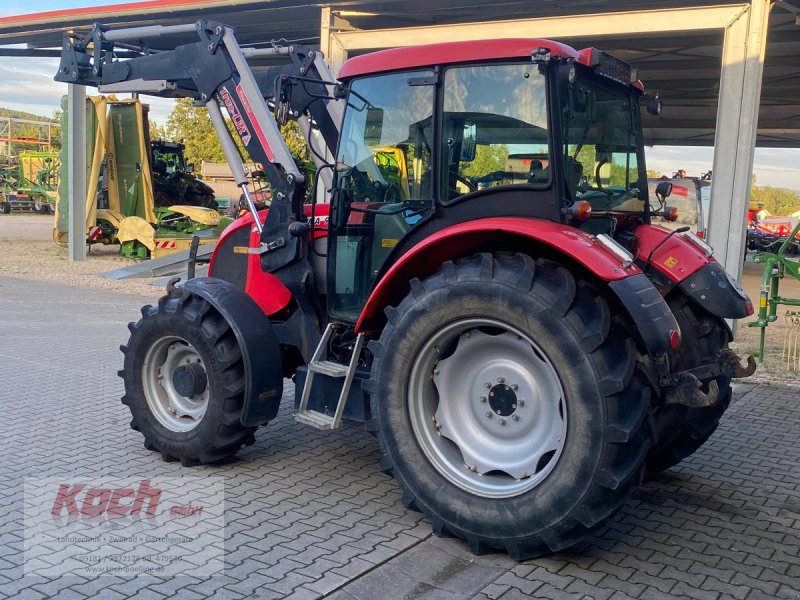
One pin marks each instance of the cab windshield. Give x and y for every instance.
(603, 158)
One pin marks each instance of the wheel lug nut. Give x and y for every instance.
(501, 380)
(483, 398)
(515, 417)
(487, 385)
(515, 387)
(521, 402)
(502, 421)
(489, 414)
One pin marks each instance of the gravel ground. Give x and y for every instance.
(27, 251)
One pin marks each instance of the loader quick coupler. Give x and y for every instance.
(685, 387)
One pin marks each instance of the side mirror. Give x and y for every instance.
(654, 106)
(663, 189)
(373, 126)
(469, 142)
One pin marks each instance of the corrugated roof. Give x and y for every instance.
(683, 67)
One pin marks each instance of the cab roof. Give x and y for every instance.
(453, 52)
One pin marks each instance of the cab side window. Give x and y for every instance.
(495, 129)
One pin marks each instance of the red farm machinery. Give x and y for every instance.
(482, 286)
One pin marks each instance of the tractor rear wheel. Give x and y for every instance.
(679, 431)
(184, 381)
(507, 406)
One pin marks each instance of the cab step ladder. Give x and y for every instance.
(319, 365)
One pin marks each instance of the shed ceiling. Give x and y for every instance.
(683, 67)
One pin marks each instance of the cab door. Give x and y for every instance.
(383, 186)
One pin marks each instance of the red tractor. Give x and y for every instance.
(483, 288)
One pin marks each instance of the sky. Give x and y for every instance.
(29, 86)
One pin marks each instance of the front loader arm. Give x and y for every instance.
(213, 71)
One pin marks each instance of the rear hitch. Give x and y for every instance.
(686, 390)
(731, 364)
(684, 387)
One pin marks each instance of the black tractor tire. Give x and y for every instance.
(679, 431)
(5, 208)
(40, 206)
(606, 399)
(189, 320)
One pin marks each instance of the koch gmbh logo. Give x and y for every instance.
(80, 499)
(98, 526)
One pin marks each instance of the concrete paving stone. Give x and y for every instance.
(299, 504)
(780, 578)
(340, 595)
(495, 590)
(30, 594)
(379, 554)
(529, 584)
(621, 596)
(289, 583)
(389, 583)
(789, 592)
(441, 569)
(689, 591)
(682, 574)
(326, 583)
(587, 590)
(548, 592)
(589, 576)
(661, 584)
(725, 588)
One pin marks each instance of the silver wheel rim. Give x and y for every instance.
(487, 408)
(174, 411)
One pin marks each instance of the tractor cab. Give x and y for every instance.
(521, 128)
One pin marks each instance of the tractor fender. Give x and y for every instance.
(717, 292)
(261, 353)
(684, 265)
(641, 299)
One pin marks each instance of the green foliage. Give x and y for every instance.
(193, 125)
(24, 130)
(156, 131)
(778, 201)
(488, 159)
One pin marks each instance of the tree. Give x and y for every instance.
(778, 201)
(156, 131)
(193, 125)
(488, 159)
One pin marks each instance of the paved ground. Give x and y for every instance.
(309, 514)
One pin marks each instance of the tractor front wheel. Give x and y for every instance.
(508, 407)
(184, 381)
(5, 208)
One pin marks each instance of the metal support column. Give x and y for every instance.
(743, 53)
(76, 158)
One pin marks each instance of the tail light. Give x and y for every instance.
(674, 338)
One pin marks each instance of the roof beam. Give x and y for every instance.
(573, 26)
